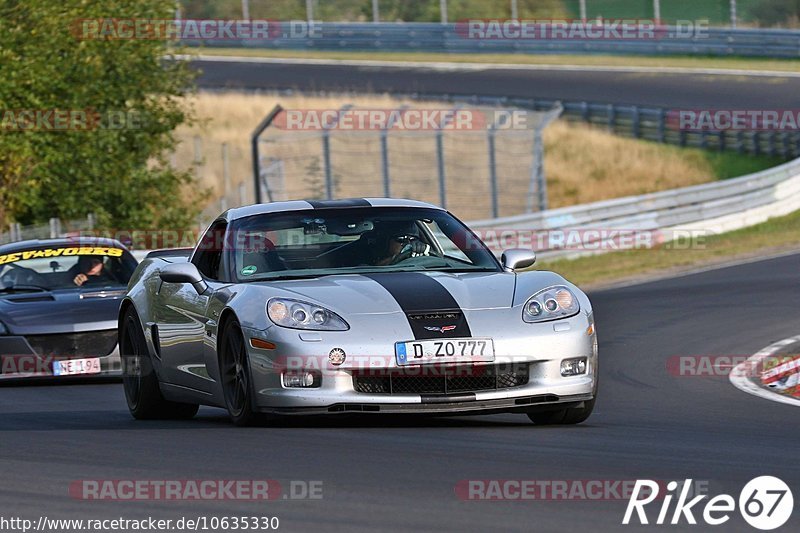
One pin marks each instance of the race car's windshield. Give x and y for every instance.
(360, 240)
(65, 267)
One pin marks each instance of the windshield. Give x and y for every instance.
(65, 267)
(341, 241)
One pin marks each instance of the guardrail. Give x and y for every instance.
(435, 37)
(648, 123)
(697, 210)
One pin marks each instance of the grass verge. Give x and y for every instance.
(773, 236)
(688, 62)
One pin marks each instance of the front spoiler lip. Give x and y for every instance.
(440, 406)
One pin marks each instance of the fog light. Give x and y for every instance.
(573, 367)
(301, 379)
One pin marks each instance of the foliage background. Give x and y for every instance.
(120, 175)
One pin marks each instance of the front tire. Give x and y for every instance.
(142, 392)
(237, 387)
(572, 415)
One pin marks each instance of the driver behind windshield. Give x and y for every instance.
(89, 269)
(400, 241)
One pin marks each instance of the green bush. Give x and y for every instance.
(118, 173)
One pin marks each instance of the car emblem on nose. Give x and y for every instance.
(440, 329)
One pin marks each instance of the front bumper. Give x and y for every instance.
(20, 362)
(536, 348)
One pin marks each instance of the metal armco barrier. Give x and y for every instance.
(704, 209)
(435, 37)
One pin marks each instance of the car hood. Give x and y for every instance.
(391, 293)
(60, 311)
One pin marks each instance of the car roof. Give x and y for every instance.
(34, 244)
(301, 205)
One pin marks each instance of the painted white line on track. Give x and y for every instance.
(740, 378)
(456, 66)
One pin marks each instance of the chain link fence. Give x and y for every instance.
(478, 161)
(53, 229)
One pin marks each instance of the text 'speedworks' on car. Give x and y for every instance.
(353, 306)
(59, 299)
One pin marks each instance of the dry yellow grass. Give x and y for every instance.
(582, 164)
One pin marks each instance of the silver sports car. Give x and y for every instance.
(353, 306)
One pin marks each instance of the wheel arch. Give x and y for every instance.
(226, 316)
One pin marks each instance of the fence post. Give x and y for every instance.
(326, 158)
(440, 168)
(635, 122)
(612, 118)
(91, 220)
(722, 141)
(226, 177)
(55, 228)
(585, 111)
(255, 154)
(538, 163)
(490, 134)
(785, 145)
(440, 156)
(662, 126)
(387, 184)
(326, 151)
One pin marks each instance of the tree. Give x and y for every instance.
(117, 169)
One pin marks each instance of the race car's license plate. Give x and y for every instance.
(444, 351)
(71, 367)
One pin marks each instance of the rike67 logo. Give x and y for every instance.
(765, 503)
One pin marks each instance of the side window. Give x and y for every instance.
(208, 258)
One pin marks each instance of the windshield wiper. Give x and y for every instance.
(23, 288)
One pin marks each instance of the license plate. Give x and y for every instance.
(444, 351)
(72, 367)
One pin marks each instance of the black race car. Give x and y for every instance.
(59, 300)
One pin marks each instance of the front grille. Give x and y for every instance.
(437, 380)
(74, 345)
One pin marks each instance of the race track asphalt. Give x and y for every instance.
(400, 474)
(671, 90)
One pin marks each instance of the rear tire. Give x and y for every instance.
(237, 386)
(142, 392)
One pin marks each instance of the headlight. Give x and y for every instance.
(303, 315)
(550, 304)
(3, 329)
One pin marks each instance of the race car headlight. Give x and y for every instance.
(303, 315)
(3, 329)
(550, 304)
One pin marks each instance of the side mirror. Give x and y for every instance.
(517, 259)
(183, 273)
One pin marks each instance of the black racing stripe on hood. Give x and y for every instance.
(426, 304)
(338, 204)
